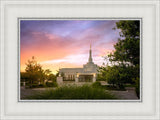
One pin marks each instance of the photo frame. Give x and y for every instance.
(133, 99)
(147, 109)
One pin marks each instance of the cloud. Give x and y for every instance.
(74, 60)
(78, 59)
(57, 43)
(48, 46)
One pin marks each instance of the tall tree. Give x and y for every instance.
(127, 49)
(36, 74)
(126, 55)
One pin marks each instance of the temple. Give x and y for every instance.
(85, 74)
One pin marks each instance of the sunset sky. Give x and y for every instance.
(65, 43)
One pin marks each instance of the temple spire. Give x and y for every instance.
(90, 55)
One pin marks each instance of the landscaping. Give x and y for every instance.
(72, 92)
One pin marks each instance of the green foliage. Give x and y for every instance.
(35, 74)
(51, 84)
(41, 85)
(102, 72)
(125, 58)
(74, 92)
(127, 49)
(69, 80)
(57, 74)
(52, 77)
(37, 86)
(34, 86)
(97, 84)
(137, 86)
(23, 75)
(129, 28)
(117, 75)
(62, 74)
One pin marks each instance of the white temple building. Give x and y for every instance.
(85, 74)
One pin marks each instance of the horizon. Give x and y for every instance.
(65, 43)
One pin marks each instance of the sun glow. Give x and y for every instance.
(57, 44)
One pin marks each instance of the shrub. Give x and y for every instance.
(137, 85)
(37, 86)
(74, 92)
(34, 86)
(51, 84)
(55, 84)
(96, 84)
(40, 85)
(69, 79)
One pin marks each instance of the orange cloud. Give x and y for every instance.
(48, 47)
(56, 48)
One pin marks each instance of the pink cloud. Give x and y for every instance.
(61, 49)
(47, 46)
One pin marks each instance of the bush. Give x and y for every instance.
(34, 86)
(118, 75)
(55, 84)
(137, 85)
(74, 92)
(40, 85)
(69, 80)
(37, 86)
(96, 84)
(51, 84)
